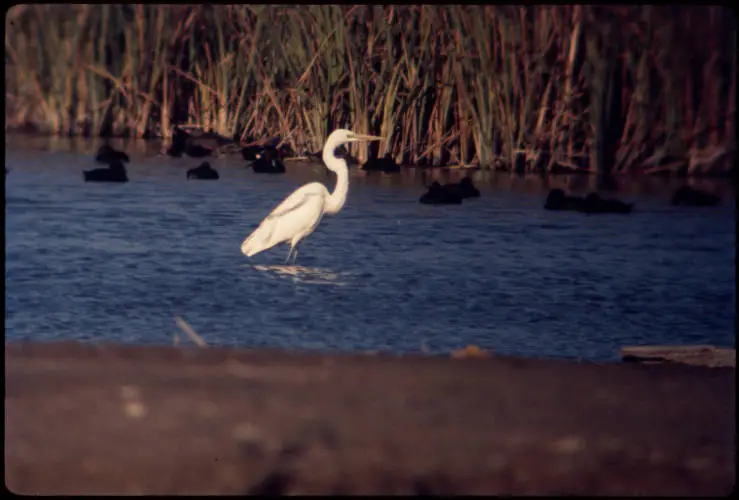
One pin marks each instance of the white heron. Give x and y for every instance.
(299, 214)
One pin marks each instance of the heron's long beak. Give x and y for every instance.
(360, 137)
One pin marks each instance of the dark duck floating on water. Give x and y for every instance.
(691, 197)
(440, 195)
(268, 162)
(558, 200)
(385, 164)
(106, 154)
(281, 149)
(594, 204)
(185, 143)
(464, 188)
(450, 194)
(198, 151)
(591, 204)
(115, 172)
(251, 153)
(204, 171)
(340, 152)
(179, 141)
(215, 138)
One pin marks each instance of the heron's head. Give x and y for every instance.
(339, 137)
(343, 136)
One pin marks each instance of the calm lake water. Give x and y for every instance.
(101, 262)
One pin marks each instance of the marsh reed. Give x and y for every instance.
(603, 89)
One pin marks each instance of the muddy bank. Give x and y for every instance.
(121, 419)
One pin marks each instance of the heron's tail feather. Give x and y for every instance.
(260, 239)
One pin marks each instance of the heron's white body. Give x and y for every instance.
(299, 214)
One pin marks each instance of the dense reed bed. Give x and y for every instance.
(608, 89)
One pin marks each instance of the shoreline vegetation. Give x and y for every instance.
(603, 90)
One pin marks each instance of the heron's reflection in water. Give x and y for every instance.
(306, 275)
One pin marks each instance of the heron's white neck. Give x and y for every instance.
(337, 198)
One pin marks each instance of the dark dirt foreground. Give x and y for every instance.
(121, 419)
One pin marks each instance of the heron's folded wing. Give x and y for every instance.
(293, 219)
(307, 195)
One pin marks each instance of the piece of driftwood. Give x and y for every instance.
(700, 355)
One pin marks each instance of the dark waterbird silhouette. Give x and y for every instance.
(106, 154)
(558, 200)
(115, 172)
(179, 141)
(279, 149)
(439, 195)
(268, 162)
(251, 153)
(591, 204)
(314, 156)
(343, 153)
(214, 138)
(464, 188)
(285, 151)
(385, 164)
(198, 151)
(594, 204)
(691, 197)
(185, 143)
(340, 152)
(204, 171)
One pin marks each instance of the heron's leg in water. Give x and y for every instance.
(289, 254)
(295, 254)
